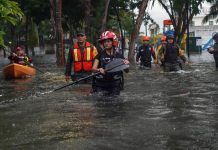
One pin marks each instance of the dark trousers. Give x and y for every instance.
(107, 91)
(168, 67)
(146, 64)
(107, 88)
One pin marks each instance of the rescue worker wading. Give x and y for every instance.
(81, 58)
(107, 83)
(160, 47)
(214, 49)
(145, 52)
(170, 55)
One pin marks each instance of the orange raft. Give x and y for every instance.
(18, 71)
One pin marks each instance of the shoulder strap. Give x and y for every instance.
(88, 44)
(164, 50)
(75, 46)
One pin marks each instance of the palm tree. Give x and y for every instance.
(213, 14)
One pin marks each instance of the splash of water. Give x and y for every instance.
(183, 71)
(47, 92)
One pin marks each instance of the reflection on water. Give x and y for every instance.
(156, 110)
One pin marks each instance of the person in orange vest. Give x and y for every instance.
(80, 58)
(145, 52)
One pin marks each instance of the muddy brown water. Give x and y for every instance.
(156, 110)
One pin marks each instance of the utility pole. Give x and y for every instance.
(187, 21)
(146, 23)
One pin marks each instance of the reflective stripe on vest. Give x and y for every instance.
(88, 54)
(82, 62)
(75, 55)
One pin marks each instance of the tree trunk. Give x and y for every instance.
(104, 18)
(136, 30)
(59, 34)
(179, 21)
(87, 18)
(52, 9)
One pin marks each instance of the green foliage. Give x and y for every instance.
(1, 38)
(73, 14)
(73, 17)
(126, 15)
(45, 30)
(33, 37)
(126, 21)
(38, 10)
(10, 13)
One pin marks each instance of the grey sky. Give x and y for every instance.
(158, 14)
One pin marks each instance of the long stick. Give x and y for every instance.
(77, 81)
(81, 79)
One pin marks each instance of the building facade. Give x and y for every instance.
(205, 31)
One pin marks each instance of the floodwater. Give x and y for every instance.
(156, 111)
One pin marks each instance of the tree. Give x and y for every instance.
(33, 37)
(213, 14)
(88, 14)
(10, 13)
(35, 11)
(181, 13)
(56, 13)
(137, 25)
(104, 17)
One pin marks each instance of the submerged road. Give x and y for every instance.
(156, 111)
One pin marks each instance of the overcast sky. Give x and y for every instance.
(159, 14)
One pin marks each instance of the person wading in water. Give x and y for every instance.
(214, 50)
(81, 58)
(107, 83)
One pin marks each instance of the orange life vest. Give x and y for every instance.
(82, 62)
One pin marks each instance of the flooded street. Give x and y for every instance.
(156, 111)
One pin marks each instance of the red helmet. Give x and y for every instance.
(115, 40)
(109, 35)
(146, 38)
(163, 38)
(18, 48)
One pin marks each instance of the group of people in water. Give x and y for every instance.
(167, 54)
(85, 59)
